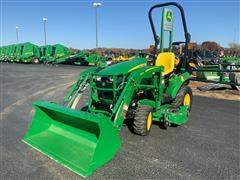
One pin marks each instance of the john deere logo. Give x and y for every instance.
(169, 16)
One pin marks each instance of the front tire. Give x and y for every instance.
(142, 121)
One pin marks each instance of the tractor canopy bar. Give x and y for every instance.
(155, 36)
(187, 35)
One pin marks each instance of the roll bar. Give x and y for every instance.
(156, 37)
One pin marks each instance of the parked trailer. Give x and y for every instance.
(95, 59)
(81, 58)
(8, 52)
(85, 59)
(58, 52)
(75, 58)
(45, 53)
(31, 53)
(5, 55)
(64, 59)
(231, 60)
(18, 53)
(4, 48)
(221, 73)
(12, 53)
(1, 52)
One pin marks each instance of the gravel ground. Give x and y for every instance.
(225, 92)
(207, 147)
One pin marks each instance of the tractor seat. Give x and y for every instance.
(167, 60)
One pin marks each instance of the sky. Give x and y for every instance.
(122, 23)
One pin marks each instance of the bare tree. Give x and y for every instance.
(234, 50)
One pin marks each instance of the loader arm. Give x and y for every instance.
(78, 86)
(132, 87)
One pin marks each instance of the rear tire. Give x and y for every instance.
(142, 121)
(184, 97)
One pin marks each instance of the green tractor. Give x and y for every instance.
(139, 91)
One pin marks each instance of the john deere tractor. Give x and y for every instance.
(139, 91)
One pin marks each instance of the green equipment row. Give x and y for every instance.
(55, 54)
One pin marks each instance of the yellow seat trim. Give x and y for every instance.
(167, 60)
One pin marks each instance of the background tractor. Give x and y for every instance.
(140, 91)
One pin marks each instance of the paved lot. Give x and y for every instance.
(207, 147)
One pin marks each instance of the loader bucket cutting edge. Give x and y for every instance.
(78, 140)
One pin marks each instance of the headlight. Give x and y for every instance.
(98, 78)
(104, 78)
(104, 81)
(110, 79)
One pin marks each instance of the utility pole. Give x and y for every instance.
(17, 30)
(96, 6)
(44, 27)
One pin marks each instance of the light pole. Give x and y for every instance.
(44, 26)
(17, 29)
(96, 5)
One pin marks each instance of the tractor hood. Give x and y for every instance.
(123, 67)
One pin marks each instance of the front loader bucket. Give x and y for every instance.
(78, 140)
